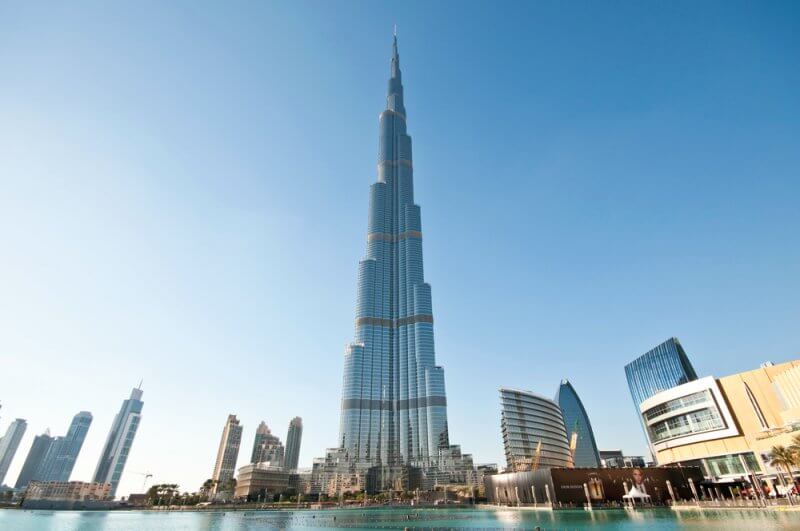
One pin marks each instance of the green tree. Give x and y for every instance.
(230, 486)
(162, 494)
(208, 486)
(795, 448)
(783, 459)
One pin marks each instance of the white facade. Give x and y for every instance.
(686, 414)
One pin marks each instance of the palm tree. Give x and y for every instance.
(795, 447)
(783, 458)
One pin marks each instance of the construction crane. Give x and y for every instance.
(147, 475)
(573, 445)
(524, 464)
(536, 457)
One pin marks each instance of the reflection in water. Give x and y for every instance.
(508, 518)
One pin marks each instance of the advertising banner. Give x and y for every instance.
(572, 485)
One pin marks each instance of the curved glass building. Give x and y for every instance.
(528, 419)
(577, 421)
(657, 370)
(394, 410)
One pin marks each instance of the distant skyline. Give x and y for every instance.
(184, 186)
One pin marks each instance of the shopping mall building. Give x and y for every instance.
(726, 426)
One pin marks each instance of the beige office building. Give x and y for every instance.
(261, 481)
(67, 491)
(728, 425)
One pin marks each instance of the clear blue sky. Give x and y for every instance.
(183, 198)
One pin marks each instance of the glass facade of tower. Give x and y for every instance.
(9, 444)
(660, 369)
(119, 442)
(533, 431)
(228, 453)
(33, 463)
(577, 421)
(62, 454)
(293, 438)
(394, 410)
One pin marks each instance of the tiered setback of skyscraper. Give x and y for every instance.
(393, 423)
(267, 448)
(394, 408)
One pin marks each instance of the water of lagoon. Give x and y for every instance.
(394, 518)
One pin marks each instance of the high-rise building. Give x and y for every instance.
(661, 368)
(9, 444)
(577, 422)
(394, 410)
(293, 438)
(267, 448)
(63, 452)
(533, 429)
(120, 439)
(263, 433)
(33, 463)
(228, 453)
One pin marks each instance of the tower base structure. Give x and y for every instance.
(338, 473)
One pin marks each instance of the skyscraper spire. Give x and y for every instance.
(394, 97)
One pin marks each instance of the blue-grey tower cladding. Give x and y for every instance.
(577, 421)
(659, 369)
(63, 452)
(120, 439)
(394, 410)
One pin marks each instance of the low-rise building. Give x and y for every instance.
(67, 495)
(261, 482)
(616, 459)
(454, 468)
(726, 426)
(300, 481)
(337, 473)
